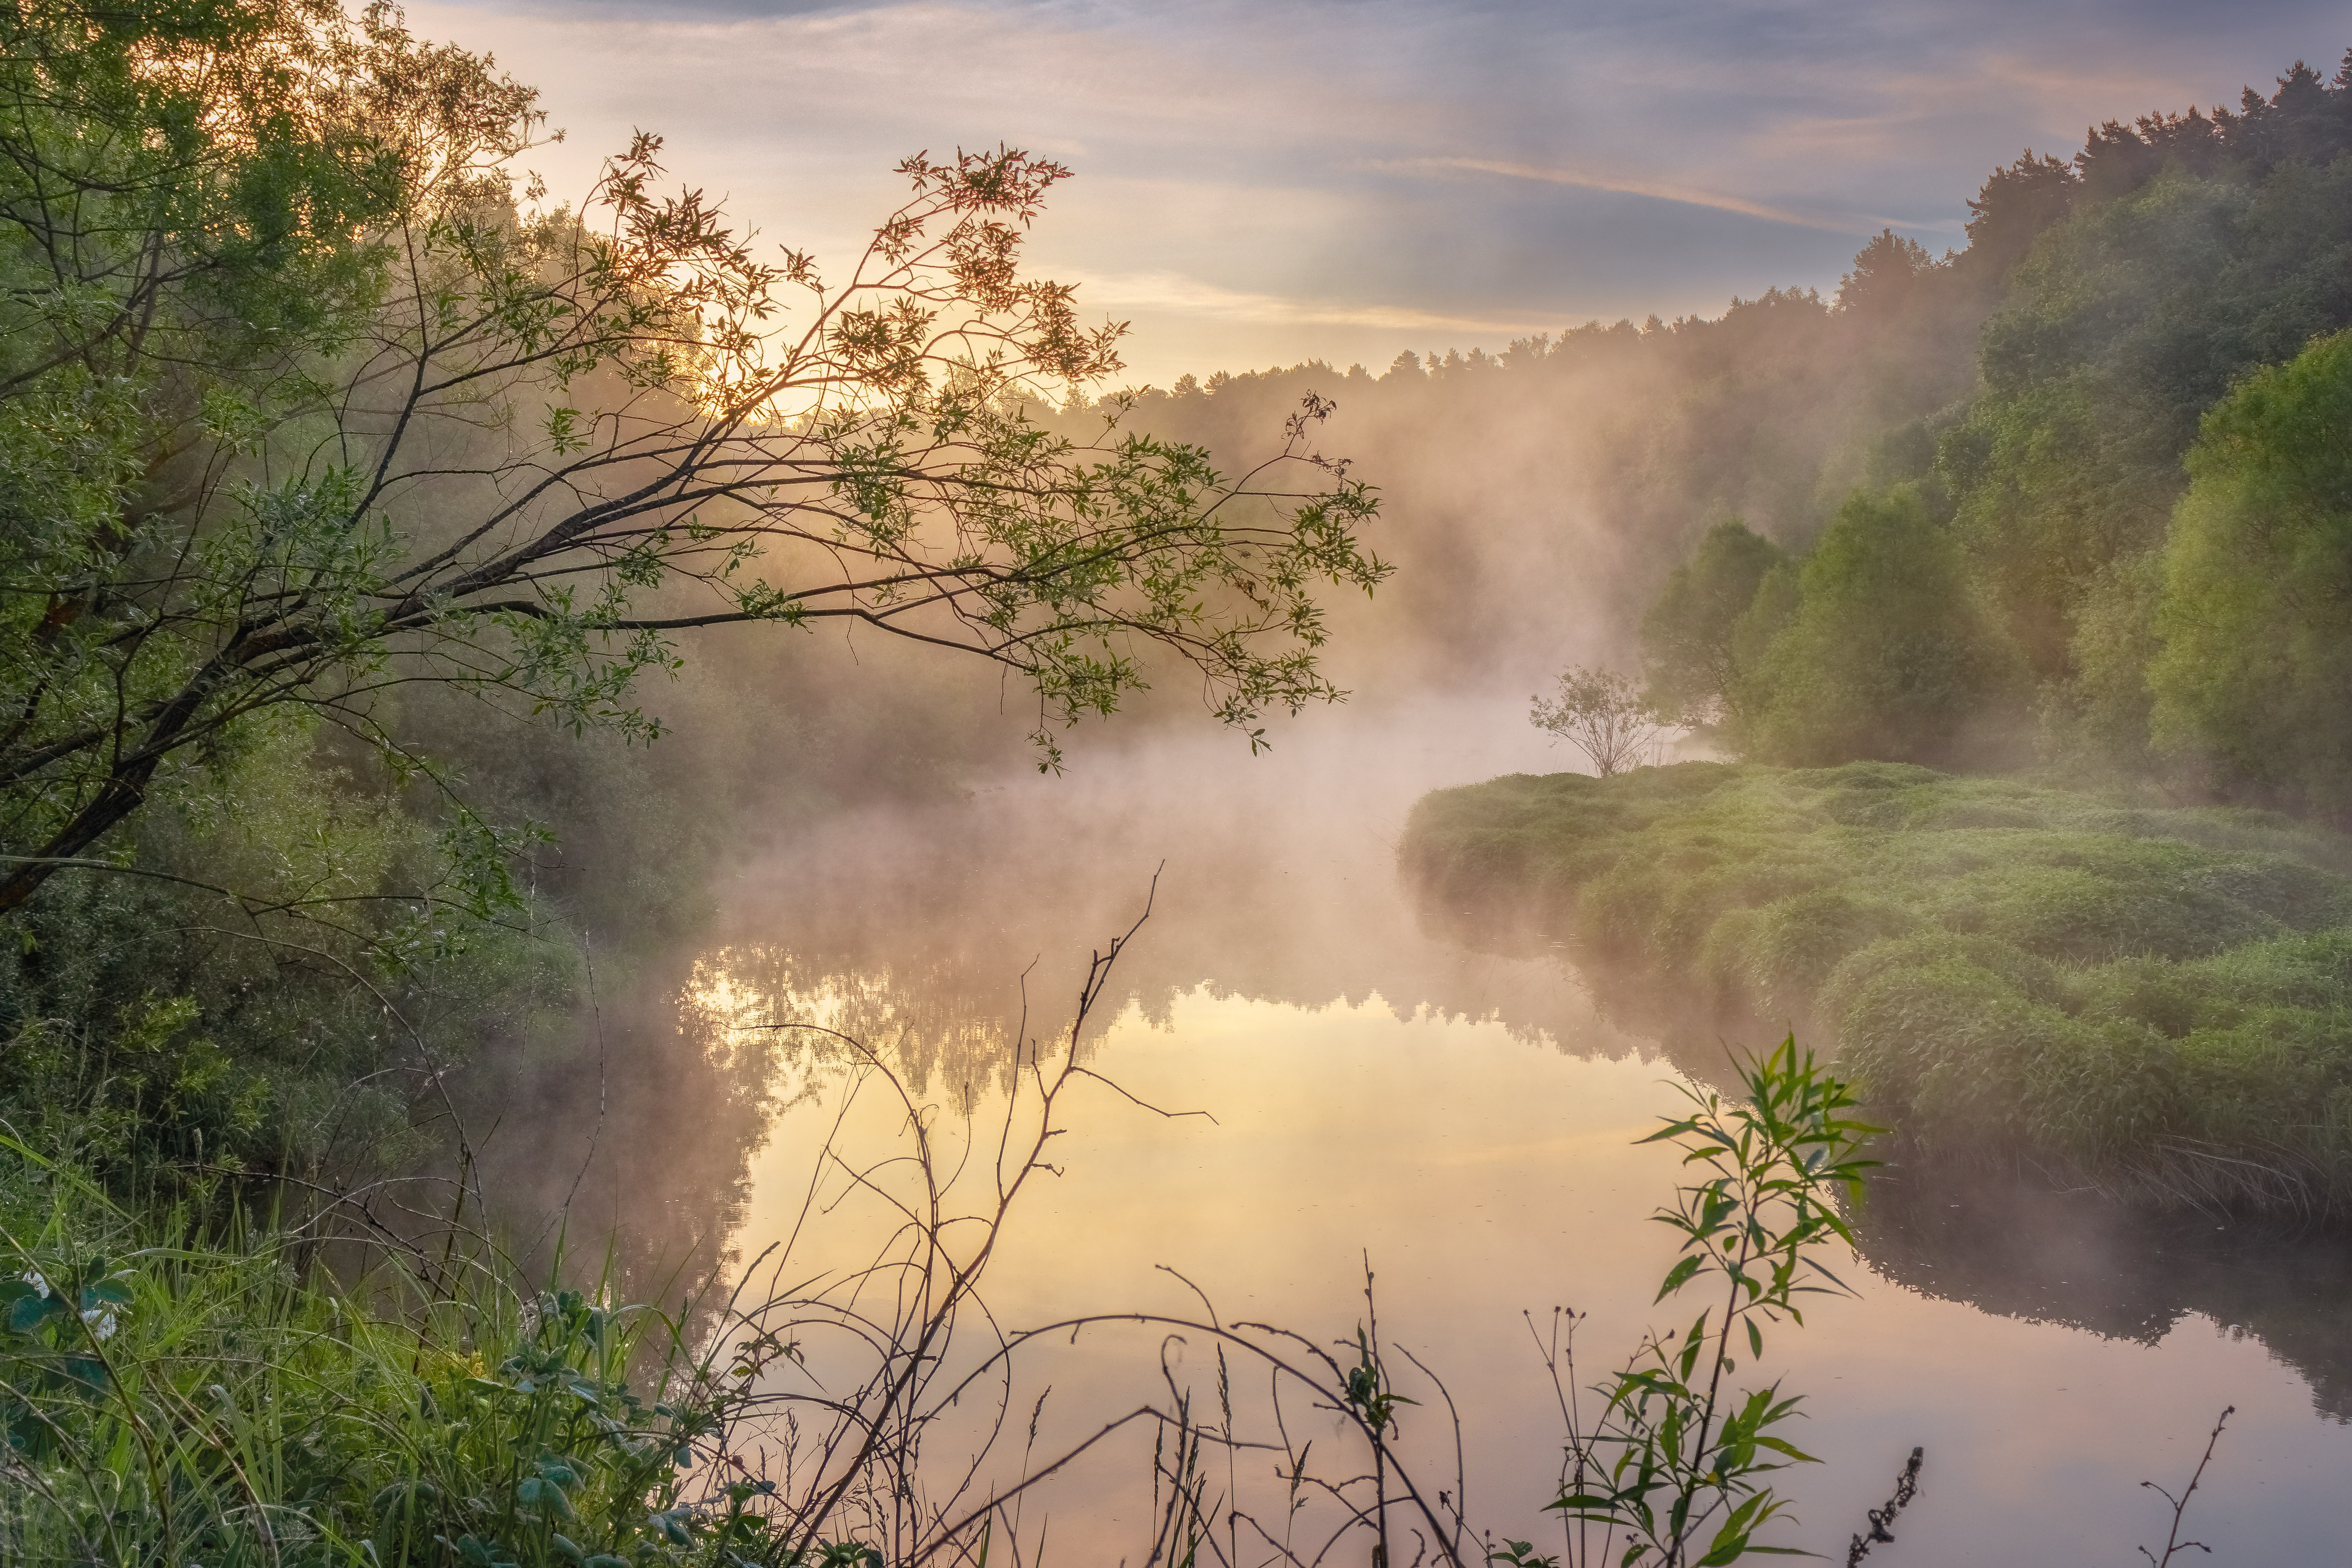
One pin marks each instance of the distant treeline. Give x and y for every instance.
(2077, 492)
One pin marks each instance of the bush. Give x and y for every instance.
(1688, 647)
(150, 1018)
(2256, 615)
(1888, 654)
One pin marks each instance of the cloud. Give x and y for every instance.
(1174, 293)
(1619, 184)
(1331, 176)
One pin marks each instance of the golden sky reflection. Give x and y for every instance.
(1484, 1176)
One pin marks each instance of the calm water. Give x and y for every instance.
(1464, 1120)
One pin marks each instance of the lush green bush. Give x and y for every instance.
(2256, 615)
(1688, 649)
(2161, 998)
(150, 1017)
(1887, 654)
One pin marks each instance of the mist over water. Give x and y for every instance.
(1465, 1118)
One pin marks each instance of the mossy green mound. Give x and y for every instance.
(2157, 998)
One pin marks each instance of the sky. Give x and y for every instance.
(1261, 181)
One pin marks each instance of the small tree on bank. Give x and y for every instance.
(1606, 716)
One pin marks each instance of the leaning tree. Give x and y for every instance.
(305, 395)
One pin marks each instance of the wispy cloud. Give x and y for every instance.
(1301, 178)
(1654, 189)
(1170, 291)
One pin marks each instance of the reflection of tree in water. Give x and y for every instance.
(626, 1142)
(934, 964)
(2012, 1246)
(932, 936)
(2020, 1250)
(936, 1022)
(1684, 1026)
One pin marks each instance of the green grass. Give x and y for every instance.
(2157, 999)
(175, 1400)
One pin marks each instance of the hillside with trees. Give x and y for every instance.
(2118, 572)
(1967, 465)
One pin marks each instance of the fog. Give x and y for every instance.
(1465, 1116)
(860, 844)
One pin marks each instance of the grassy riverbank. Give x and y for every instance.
(171, 1395)
(2159, 1000)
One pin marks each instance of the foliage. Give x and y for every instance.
(2194, 249)
(1674, 1460)
(1690, 656)
(522, 451)
(2256, 616)
(168, 1401)
(1887, 654)
(2127, 289)
(2097, 722)
(2154, 998)
(178, 234)
(155, 1019)
(1604, 715)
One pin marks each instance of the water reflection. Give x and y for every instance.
(1453, 1102)
(2074, 1258)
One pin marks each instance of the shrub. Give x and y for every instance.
(2256, 615)
(1888, 655)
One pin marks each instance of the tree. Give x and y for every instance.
(1888, 654)
(1604, 715)
(2255, 616)
(2189, 250)
(1886, 273)
(434, 430)
(1688, 647)
(2015, 204)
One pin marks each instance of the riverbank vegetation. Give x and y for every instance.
(364, 516)
(333, 453)
(2122, 552)
(2117, 562)
(171, 1390)
(2151, 998)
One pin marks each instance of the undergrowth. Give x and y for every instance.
(2159, 1000)
(171, 1397)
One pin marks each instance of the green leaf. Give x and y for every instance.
(1677, 1276)
(538, 1493)
(1782, 1445)
(28, 1312)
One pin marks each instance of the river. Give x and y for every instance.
(1463, 1121)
